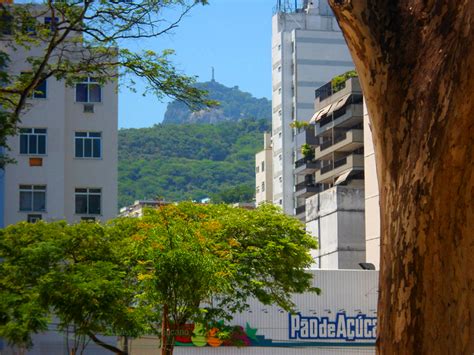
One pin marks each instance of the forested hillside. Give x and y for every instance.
(190, 161)
(234, 105)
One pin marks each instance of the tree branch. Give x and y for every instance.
(105, 345)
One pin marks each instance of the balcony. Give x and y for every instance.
(347, 116)
(327, 173)
(343, 142)
(306, 189)
(305, 135)
(300, 213)
(306, 166)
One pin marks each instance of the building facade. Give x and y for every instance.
(308, 49)
(330, 176)
(264, 172)
(372, 204)
(66, 150)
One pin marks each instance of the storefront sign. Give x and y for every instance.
(342, 327)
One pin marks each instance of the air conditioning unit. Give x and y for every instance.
(88, 108)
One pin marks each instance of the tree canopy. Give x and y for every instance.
(148, 275)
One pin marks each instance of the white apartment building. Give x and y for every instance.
(264, 172)
(308, 49)
(66, 151)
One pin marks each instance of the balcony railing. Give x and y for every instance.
(304, 161)
(300, 209)
(340, 162)
(335, 165)
(327, 168)
(304, 185)
(331, 142)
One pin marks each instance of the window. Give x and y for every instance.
(6, 22)
(40, 90)
(280, 179)
(88, 200)
(263, 186)
(51, 23)
(89, 91)
(279, 69)
(33, 141)
(279, 90)
(263, 166)
(29, 25)
(279, 47)
(279, 157)
(33, 218)
(32, 198)
(88, 144)
(280, 202)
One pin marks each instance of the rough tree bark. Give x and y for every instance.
(415, 60)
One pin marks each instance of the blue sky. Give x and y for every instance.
(233, 36)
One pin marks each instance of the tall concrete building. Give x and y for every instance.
(308, 49)
(66, 150)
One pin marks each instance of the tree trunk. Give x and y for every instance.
(167, 338)
(415, 60)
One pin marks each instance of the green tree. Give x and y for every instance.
(83, 39)
(239, 193)
(215, 256)
(148, 275)
(81, 274)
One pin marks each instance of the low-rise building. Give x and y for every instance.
(66, 150)
(264, 172)
(136, 209)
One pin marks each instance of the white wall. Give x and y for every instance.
(335, 217)
(372, 206)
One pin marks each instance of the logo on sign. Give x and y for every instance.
(342, 327)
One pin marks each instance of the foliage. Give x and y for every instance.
(191, 254)
(339, 82)
(239, 193)
(234, 105)
(189, 161)
(299, 124)
(83, 39)
(80, 273)
(307, 151)
(179, 262)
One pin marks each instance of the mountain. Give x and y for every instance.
(234, 105)
(190, 161)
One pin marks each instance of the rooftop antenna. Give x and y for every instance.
(212, 79)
